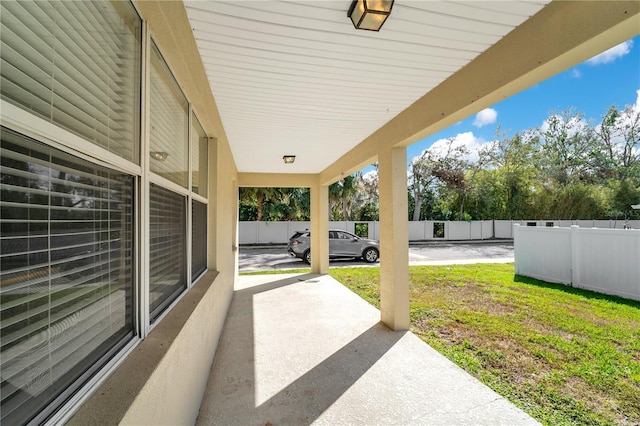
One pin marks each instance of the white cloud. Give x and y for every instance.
(467, 139)
(575, 73)
(486, 116)
(612, 54)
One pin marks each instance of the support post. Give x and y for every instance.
(319, 229)
(394, 238)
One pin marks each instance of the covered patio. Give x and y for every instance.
(215, 96)
(276, 79)
(300, 349)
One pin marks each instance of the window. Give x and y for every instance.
(169, 124)
(66, 270)
(199, 158)
(167, 240)
(77, 65)
(198, 239)
(69, 276)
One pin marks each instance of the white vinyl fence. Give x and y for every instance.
(426, 230)
(602, 260)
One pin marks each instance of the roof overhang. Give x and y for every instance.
(279, 82)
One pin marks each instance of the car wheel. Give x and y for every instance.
(370, 255)
(307, 256)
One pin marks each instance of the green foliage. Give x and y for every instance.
(368, 212)
(625, 194)
(342, 198)
(272, 204)
(568, 169)
(247, 211)
(362, 230)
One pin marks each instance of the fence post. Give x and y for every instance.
(575, 261)
(514, 233)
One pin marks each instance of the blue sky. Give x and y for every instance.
(590, 88)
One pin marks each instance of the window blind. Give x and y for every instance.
(198, 239)
(66, 272)
(169, 123)
(167, 251)
(77, 65)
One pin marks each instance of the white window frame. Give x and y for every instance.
(149, 41)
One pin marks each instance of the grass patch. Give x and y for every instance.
(564, 355)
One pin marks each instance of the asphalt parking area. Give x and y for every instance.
(265, 258)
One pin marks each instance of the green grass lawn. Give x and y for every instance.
(563, 355)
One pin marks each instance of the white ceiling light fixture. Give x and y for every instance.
(369, 14)
(289, 159)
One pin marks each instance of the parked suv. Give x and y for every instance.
(341, 244)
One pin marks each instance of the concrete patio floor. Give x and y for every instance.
(301, 349)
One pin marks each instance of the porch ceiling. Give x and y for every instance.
(297, 78)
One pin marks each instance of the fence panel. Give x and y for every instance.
(487, 229)
(481, 229)
(273, 232)
(606, 224)
(503, 228)
(334, 224)
(417, 231)
(608, 261)
(475, 231)
(459, 231)
(564, 223)
(248, 232)
(601, 260)
(543, 253)
(584, 223)
(428, 230)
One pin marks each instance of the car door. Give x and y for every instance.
(334, 244)
(348, 244)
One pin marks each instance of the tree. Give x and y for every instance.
(625, 194)
(568, 142)
(367, 186)
(368, 212)
(258, 196)
(617, 153)
(341, 197)
(445, 163)
(512, 170)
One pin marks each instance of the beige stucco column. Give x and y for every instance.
(319, 229)
(394, 238)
